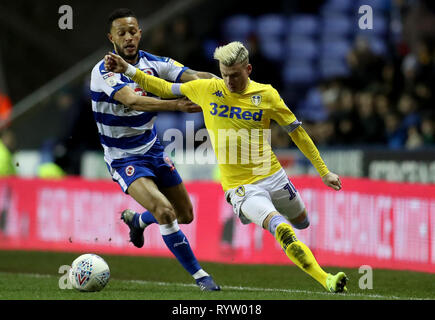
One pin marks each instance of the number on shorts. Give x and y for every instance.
(291, 189)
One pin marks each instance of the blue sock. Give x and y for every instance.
(146, 217)
(177, 242)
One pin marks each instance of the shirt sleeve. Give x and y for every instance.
(194, 88)
(303, 141)
(170, 69)
(280, 112)
(107, 82)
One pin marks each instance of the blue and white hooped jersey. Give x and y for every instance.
(125, 132)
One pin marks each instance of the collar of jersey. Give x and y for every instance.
(243, 92)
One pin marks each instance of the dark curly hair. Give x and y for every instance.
(119, 13)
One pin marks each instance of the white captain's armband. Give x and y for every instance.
(292, 126)
(131, 71)
(175, 88)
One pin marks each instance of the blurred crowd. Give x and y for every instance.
(385, 101)
(388, 103)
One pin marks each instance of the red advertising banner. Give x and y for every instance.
(384, 225)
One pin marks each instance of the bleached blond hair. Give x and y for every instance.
(232, 53)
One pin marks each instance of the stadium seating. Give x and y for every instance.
(297, 47)
(238, 27)
(208, 47)
(330, 68)
(312, 107)
(272, 48)
(303, 25)
(343, 6)
(335, 48)
(337, 24)
(299, 72)
(313, 46)
(377, 5)
(271, 26)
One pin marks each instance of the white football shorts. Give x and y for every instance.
(254, 202)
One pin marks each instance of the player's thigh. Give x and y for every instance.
(251, 204)
(180, 200)
(300, 218)
(287, 200)
(147, 194)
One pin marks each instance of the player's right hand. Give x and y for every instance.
(185, 105)
(332, 180)
(114, 63)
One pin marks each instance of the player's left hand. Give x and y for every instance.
(332, 180)
(114, 63)
(185, 105)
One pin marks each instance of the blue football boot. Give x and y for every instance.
(136, 233)
(207, 284)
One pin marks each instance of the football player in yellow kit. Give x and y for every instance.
(237, 113)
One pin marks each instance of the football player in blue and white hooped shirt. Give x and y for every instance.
(125, 117)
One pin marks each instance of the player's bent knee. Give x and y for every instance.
(186, 218)
(185, 214)
(164, 214)
(301, 224)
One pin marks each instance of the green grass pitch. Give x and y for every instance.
(35, 275)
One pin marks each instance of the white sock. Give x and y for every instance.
(199, 274)
(170, 228)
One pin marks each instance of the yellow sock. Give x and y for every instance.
(299, 253)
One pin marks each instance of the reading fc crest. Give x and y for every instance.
(129, 171)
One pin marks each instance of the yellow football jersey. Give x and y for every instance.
(239, 127)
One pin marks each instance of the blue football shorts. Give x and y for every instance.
(154, 164)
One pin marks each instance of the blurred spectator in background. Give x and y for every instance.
(394, 133)
(390, 82)
(407, 108)
(370, 126)
(382, 104)
(5, 107)
(364, 64)
(77, 132)
(428, 131)
(418, 18)
(414, 139)
(266, 70)
(157, 41)
(182, 42)
(383, 97)
(345, 119)
(80, 134)
(7, 149)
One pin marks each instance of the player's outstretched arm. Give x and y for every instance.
(157, 86)
(303, 141)
(127, 97)
(130, 99)
(190, 75)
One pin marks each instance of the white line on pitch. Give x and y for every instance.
(240, 288)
